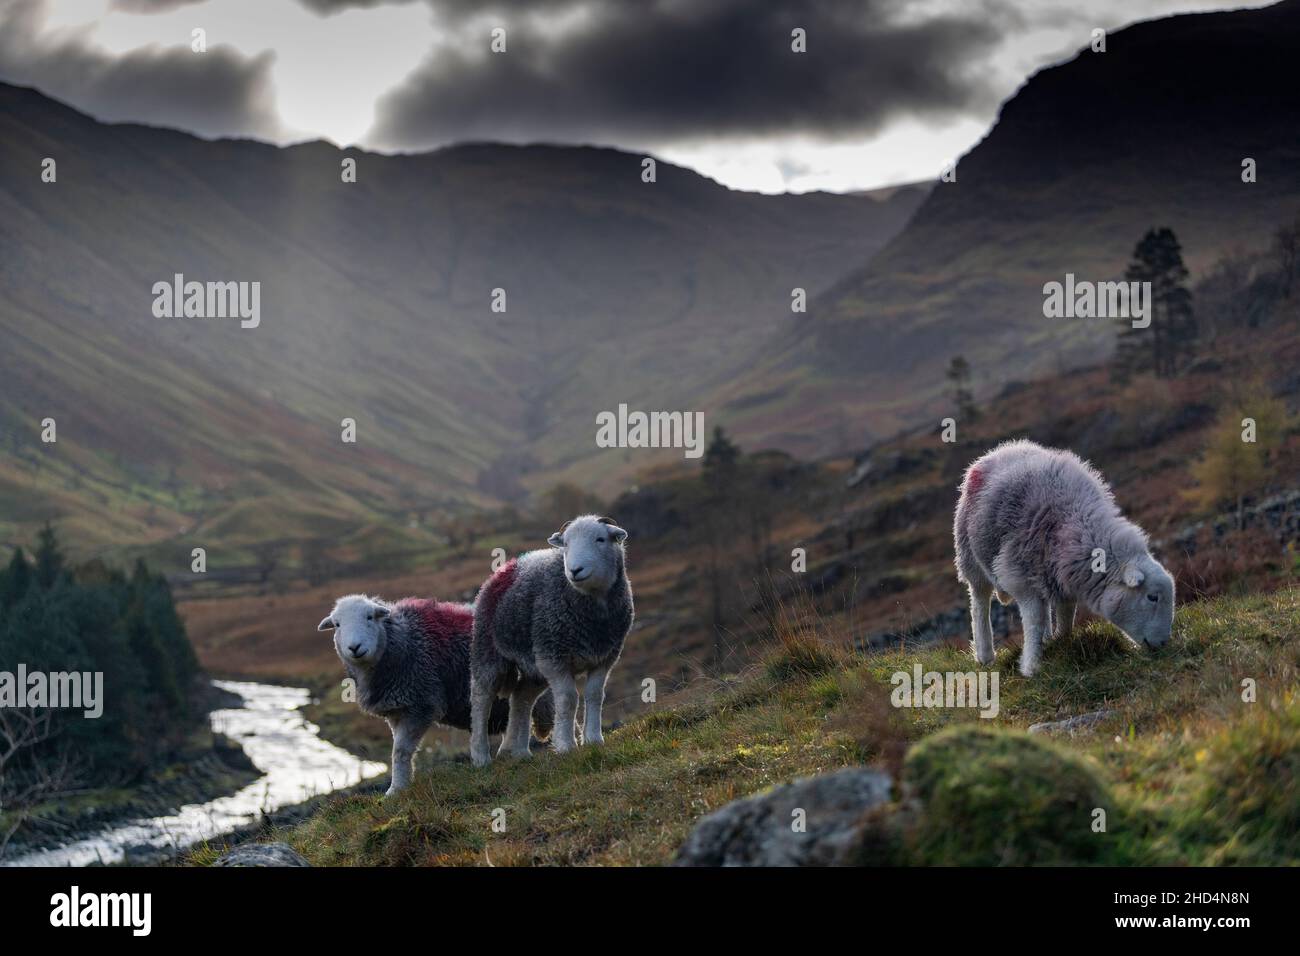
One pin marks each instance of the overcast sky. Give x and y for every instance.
(888, 91)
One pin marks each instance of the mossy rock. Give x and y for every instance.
(1252, 781)
(988, 797)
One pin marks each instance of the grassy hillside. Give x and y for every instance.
(876, 529)
(1187, 772)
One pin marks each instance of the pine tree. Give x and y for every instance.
(15, 580)
(721, 474)
(1171, 334)
(963, 398)
(49, 558)
(721, 462)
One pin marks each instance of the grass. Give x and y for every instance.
(1188, 769)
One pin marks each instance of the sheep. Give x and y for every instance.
(543, 619)
(1040, 527)
(410, 662)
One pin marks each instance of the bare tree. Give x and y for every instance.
(266, 558)
(1286, 249)
(21, 731)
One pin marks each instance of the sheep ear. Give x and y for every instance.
(557, 540)
(325, 625)
(1133, 575)
(615, 532)
(381, 612)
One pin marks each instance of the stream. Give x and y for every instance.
(296, 765)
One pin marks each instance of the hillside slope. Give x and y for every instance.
(1188, 772)
(375, 301)
(1082, 161)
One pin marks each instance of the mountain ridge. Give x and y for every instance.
(1084, 158)
(376, 300)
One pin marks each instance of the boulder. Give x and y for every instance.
(1072, 725)
(761, 830)
(262, 854)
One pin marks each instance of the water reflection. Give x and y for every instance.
(295, 762)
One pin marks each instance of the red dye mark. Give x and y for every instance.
(497, 585)
(974, 480)
(440, 621)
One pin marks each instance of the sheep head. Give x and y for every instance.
(1139, 600)
(359, 632)
(593, 552)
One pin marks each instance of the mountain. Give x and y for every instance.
(375, 305)
(1083, 160)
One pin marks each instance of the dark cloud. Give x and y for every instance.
(152, 6)
(216, 93)
(677, 69)
(334, 6)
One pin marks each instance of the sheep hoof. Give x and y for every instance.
(392, 791)
(480, 760)
(1028, 668)
(592, 739)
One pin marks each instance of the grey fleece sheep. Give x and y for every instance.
(543, 619)
(410, 661)
(1039, 527)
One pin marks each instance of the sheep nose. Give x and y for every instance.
(355, 649)
(577, 572)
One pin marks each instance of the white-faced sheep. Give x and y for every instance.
(1040, 527)
(544, 619)
(410, 662)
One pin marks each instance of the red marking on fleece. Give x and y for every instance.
(497, 585)
(974, 481)
(439, 621)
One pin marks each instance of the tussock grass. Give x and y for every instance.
(1187, 771)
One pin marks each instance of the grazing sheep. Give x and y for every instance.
(1040, 527)
(543, 619)
(410, 661)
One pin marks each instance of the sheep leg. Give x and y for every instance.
(980, 605)
(406, 738)
(1034, 617)
(519, 728)
(481, 698)
(565, 692)
(1063, 618)
(593, 698)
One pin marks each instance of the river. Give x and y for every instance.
(296, 765)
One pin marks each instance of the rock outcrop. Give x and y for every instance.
(813, 821)
(262, 854)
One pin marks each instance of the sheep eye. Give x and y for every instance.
(600, 540)
(1153, 598)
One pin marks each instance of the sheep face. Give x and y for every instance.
(359, 633)
(1140, 602)
(593, 552)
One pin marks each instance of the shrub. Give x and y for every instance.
(991, 797)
